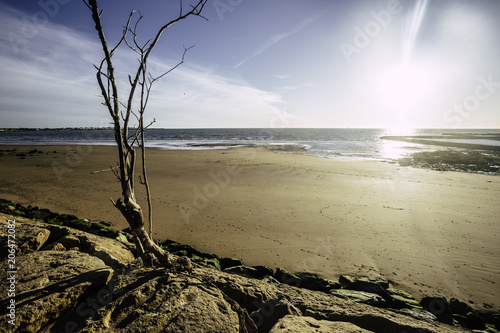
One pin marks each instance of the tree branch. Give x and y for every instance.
(106, 79)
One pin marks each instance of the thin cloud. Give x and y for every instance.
(272, 41)
(280, 76)
(51, 83)
(211, 99)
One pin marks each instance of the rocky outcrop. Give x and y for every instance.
(48, 284)
(93, 284)
(310, 325)
(33, 236)
(155, 300)
(27, 239)
(253, 294)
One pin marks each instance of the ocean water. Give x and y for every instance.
(343, 143)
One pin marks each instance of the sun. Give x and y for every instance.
(402, 90)
(403, 85)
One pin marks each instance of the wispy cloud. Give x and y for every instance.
(280, 76)
(213, 100)
(50, 82)
(272, 41)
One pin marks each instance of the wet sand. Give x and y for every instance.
(429, 232)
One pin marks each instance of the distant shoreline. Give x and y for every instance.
(53, 129)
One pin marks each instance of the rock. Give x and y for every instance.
(438, 306)
(70, 241)
(109, 260)
(396, 299)
(48, 285)
(459, 307)
(471, 321)
(370, 287)
(496, 321)
(174, 247)
(28, 239)
(270, 312)
(92, 243)
(359, 297)
(180, 253)
(270, 279)
(286, 277)
(242, 270)
(466, 315)
(151, 300)
(400, 299)
(401, 293)
(227, 262)
(209, 255)
(310, 325)
(212, 262)
(314, 282)
(183, 264)
(399, 302)
(262, 271)
(250, 294)
(346, 279)
(122, 238)
(419, 314)
(54, 247)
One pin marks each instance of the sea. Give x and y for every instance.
(334, 143)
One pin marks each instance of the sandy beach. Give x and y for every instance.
(429, 232)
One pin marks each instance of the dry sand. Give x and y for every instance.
(429, 232)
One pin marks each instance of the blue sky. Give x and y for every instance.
(262, 63)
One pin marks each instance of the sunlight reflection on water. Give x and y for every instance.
(394, 149)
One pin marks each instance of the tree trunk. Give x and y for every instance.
(133, 214)
(127, 205)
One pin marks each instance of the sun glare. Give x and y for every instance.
(404, 85)
(402, 90)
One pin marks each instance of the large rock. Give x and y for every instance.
(33, 236)
(314, 282)
(262, 271)
(153, 300)
(270, 312)
(471, 321)
(250, 292)
(286, 277)
(242, 270)
(396, 299)
(27, 239)
(369, 287)
(438, 306)
(465, 315)
(346, 279)
(419, 314)
(49, 283)
(117, 254)
(70, 242)
(227, 262)
(291, 323)
(359, 297)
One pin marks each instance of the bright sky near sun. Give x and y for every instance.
(261, 63)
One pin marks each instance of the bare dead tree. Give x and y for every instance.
(127, 138)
